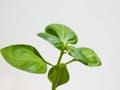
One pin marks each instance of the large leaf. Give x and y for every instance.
(62, 34)
(58, 75)
(24, 57)
(85, 55)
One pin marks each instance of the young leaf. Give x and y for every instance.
(52, 39)
(59, 35)
(58, 75)
(86, 56)
(64, 33)
(24, 57)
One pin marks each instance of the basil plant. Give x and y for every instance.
(27, 58)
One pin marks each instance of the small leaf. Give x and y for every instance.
(85, 55)
(52, 39)
(64, 33)
(58, 75)
(59, 35)
(24, 57)
(76, 53)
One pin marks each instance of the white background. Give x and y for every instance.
(97, 24)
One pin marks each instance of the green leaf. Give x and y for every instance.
(59, 33)
(85, 55)
(24, 57)
(64, 33)
(58, 75)
(52, 39)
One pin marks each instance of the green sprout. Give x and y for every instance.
(27, 58)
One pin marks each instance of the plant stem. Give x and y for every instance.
(60, 57)
(58, 63)
(53, 88)
(70, 61)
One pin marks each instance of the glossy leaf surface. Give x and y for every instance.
(24, 57)
(62, 34)
(85, 55)
(58, 75)
(52, 39)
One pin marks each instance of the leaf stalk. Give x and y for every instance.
(48, 63)
(69, 61)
